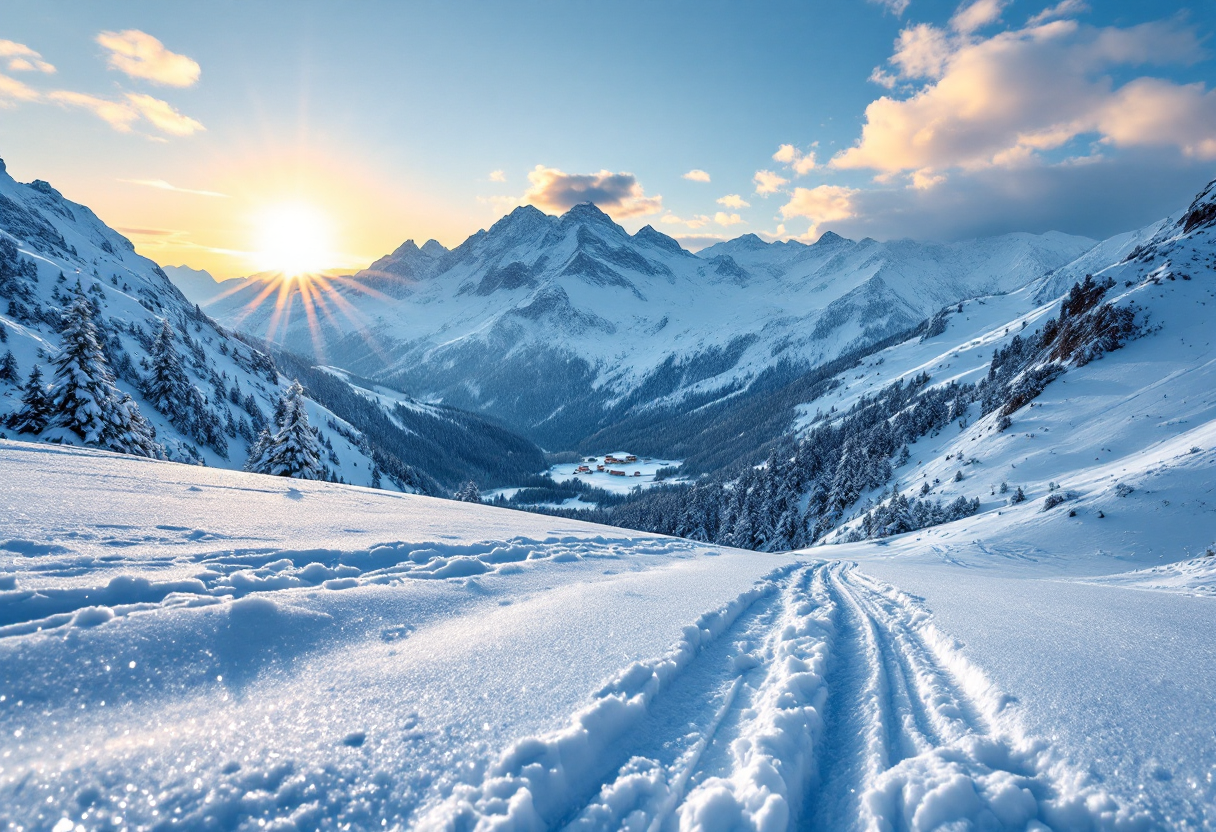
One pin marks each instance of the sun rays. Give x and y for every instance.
(319, 297)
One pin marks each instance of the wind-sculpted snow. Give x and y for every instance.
(1196, 576)
(235, 574)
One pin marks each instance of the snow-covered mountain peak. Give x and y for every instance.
(45, 187)
(635, 312)
(433, 248)
(745, 242)
(589, 212)
(648, 234)
(406, 249)
(831, 238)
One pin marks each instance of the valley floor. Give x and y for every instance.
(195, 648)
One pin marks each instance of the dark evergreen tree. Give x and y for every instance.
(36, 409)
(8, 368)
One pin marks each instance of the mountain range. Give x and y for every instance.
(563, 326)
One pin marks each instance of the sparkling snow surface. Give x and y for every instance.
(210, 649)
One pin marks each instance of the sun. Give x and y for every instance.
(293, 238)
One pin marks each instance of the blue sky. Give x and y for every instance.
(391, 119)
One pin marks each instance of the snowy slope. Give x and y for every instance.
(1144, 411)
(133, 294)
(549, 322)
(214, 649)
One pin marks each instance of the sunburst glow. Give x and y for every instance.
(294, 239)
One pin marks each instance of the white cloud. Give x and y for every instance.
(1093, 196)
(163, 116)
(697, 175)
(925, 178)
(20, 58)
(724, 219)
(733, 201)
(124, 113)
(117, 114)
(921, 51)
(1062, 9)
(1005, 99)
(162, 185)
(895, 7)
(13, 91)
(618, 194)
(883, 78)
(768, 182)
(140, 55)
(793, 158)
(825, 203)
(977, 15)
(697, 221)
(497, 176)
(696, 242)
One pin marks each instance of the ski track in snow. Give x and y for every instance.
(820, 699)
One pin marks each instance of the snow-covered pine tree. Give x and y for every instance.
(167, 388)
(36, 409)
(130, 433)
(171, 392)
(293, 451)
(468, 493)
(8, 368)
(84, 399)
(257, 452)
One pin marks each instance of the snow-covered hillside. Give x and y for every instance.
(193, 647)
(559, 325)
(59, 244)
(1103, 430)
(999, 399)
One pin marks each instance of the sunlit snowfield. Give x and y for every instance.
(210, 648)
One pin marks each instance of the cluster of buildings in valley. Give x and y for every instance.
(609, 460)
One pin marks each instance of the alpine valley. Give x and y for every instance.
(924, 539)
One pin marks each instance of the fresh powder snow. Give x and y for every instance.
(199, 647)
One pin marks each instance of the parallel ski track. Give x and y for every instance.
(828, 701)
